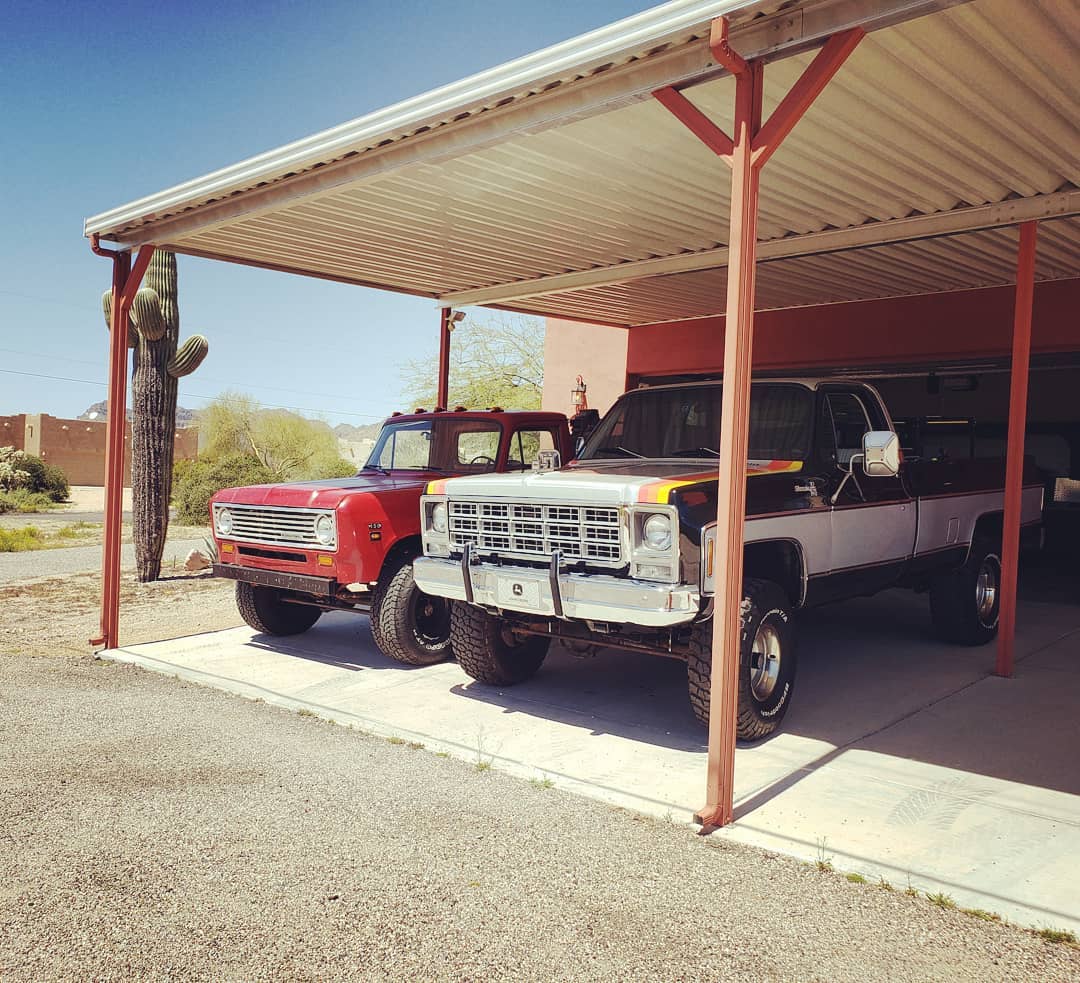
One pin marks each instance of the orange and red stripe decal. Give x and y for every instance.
(437, 487)
(658, 492)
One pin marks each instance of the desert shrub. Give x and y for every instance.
(13, 473)
(196, 482)
(24, 500)
(46, 479)
(21, 539)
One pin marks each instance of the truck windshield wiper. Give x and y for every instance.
(375, 467)
(694, 452)
(620, 450)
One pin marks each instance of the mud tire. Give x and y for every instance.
(763, 701)
(265, 611)
(408, 625)
(488, 652)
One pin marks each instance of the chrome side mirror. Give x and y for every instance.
(881, 454)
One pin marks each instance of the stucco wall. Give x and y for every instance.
(593, 351)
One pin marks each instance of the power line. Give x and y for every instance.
(191, 395)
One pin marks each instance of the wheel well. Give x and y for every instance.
(409, 546)
(988, 526)
(780, 561)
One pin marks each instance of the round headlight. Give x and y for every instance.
(324, 529)
(224, 522)
(657, 532)
(438, 517)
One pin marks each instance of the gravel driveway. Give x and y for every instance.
(152, 828)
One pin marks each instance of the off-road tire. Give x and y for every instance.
(487, 651)
(408, 625)
(766, 609)
(266, 612)
(957, 607)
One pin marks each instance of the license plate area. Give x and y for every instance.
(517, 594)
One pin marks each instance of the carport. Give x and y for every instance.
(697, 159)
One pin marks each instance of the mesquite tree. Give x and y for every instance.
(153, 332)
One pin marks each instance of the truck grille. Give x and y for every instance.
(275, 526)
(582, 532)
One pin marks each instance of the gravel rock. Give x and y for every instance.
(153, 828)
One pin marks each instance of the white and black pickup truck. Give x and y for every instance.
(617, 548)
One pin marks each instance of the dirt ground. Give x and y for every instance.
(58, 615)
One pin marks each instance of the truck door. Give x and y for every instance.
(873, 519)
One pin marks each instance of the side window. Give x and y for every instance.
(525, 445)
(844, 423)
(479, 448)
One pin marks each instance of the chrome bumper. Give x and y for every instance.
(585, 597)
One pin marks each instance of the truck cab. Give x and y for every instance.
(300, 548)
(619, 548)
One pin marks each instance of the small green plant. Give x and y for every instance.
(1059, 935)
(911, 891)
(305, 712)
(884, 884)
(824, 861)
(442, 754)
(20, 540)
(544, 782)
(23, 501)
(982, 914)
(394, 739)
(483, 766)
(941, 900)
(415, 746)
(856, 878)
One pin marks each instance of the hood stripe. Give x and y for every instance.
(659, 492)
(437, 487)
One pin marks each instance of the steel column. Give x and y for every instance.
(1014, 466)
(747, 152)
(443, 398)
(125, 282)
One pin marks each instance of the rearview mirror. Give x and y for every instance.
(881, 454)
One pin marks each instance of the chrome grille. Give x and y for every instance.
(275, 526)
(578, 532)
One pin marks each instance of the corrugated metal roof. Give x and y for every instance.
(971, 105)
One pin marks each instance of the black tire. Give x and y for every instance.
(765, 684)
(965, 604)
(408, 625)
(487, 651)
(264, 609)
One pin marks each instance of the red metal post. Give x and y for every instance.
(125, 282)
(752, 146)
(1014, 466)
(734, 442)
(443, 398)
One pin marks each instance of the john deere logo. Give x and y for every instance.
(518, 590)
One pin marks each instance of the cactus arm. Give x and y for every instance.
(106, 309)
(146, 314)
(189, 356)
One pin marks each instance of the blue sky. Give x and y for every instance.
(102, 103)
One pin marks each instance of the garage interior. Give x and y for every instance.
(594, 181)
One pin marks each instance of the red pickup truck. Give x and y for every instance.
(298, 549)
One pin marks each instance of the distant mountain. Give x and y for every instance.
(100, 411)
(346, 431)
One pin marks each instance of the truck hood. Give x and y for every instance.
(603, 482)
(325, 494)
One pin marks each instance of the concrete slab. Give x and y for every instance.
(901, 757)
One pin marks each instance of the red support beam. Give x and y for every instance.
(696, 122)
(442, 400)
(125, 283)
(734, 443)
(1014, 466)
(802, 94)
(750, 148)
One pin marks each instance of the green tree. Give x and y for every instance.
(496, 359)
(287, 446)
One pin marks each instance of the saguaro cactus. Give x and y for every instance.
(153, 332)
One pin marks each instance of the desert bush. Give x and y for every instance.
(46, 479)
(196, 482)
(24, 500)
(21, 539)
(13, 474)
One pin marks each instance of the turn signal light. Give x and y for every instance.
(709, 550)
(226, 547)
(325, 561)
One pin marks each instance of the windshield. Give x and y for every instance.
(685, 422)
(443, 444)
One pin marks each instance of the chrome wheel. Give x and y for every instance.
(765, 661)
(986, 590)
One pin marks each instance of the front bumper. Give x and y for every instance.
(585, 597)
(301, 583)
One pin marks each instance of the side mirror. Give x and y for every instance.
(881, 454)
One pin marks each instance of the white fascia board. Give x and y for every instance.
(777, 34)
